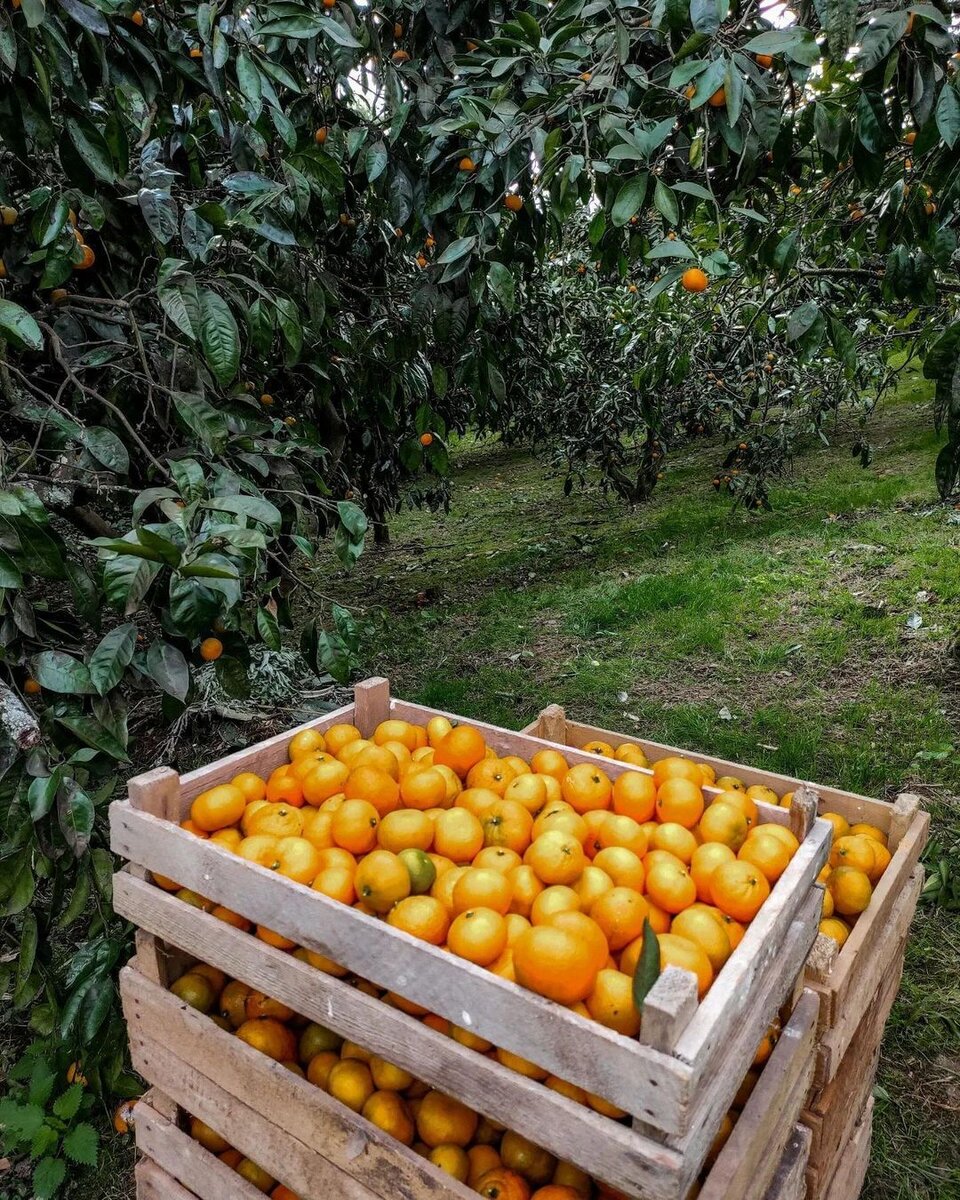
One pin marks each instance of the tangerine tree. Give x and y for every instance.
(257, 260)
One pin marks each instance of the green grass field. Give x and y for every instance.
(788, 640)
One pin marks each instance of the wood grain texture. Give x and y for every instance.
(560, 1125)
(746, 1165)
(789, 1181)
(849, 804)
(718, 1086)
(371, 700)
(201, 1173)
(646, 1083)
(851, 1172)
(155, 1184)
(669, 1008)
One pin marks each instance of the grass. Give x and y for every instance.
(786, 640)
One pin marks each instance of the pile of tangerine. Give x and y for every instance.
(496, 1162)
(540, 872)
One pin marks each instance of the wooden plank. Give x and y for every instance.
(155, 1184)
(847, 1183)
(874, 968)
(157, 792)
(311, 1118)
(746, 1165)
(196, 1169)
(647, 1084)
(730, 1001)
(906, 807)
(262, 757)
(566, 1129)
(371, 700)
(849, 804)
(871, 930)
(669, 1007)
(789, 1182)
(716, 1091)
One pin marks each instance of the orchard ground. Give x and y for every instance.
(783, 640)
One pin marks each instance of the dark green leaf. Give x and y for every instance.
(111, 657)
(48, 1175)
(648, 966)
(629, 199)
(81, 1145)
(167, 667)
(219, 336)
(18, 327)
(59, 672)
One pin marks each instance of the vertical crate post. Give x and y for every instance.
(371, 704)
(803, 810)
(553, 724)
(905, 808)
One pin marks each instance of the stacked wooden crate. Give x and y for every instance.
(676, 1081)
(857, 983)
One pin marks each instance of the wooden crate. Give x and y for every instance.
(676, 1081)
(853, 1165)
(846, 978)
(789, 1180)
(833, 1111)
(323, 1148)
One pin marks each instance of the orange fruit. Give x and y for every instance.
(861, 829)
(586, 788)
(208, 1138)
(676, 951)
(423, 917)
(850, 889)
(739, 889)
(460, 749)
(457, 834)
(745, 803)
(761, 794)
(233, 1002)
(259, 1005)
(284, 788)
(854, 850)
(196, 990)
(882, 861)
(519, 1154)
(324, 780)
(676, 839)
(507, 823)
(629, 753)
(624, 868)
(611, 1003)
(634, 795)
(841, 826)
(591, 885)
(354, 826)
(381, 881)
(675, 766)
(490, 773)
(340, 735)
(604, 749)
(724, 823)
(277, 820)
(557, 898)
(442, 888)
(680, 801)
(260, 848)
(567, 1175)
(704, 930)
(520, 1065)
(351, 1083)
(437, 729)
(270, 1037)
(559, 815)
(618, 830)
(557, 858)
(395, 731)
(230, 838)
(525, 888)
(670, 887)
(481, 1159)
(564, 1088)
(528, 790)
(477, 800)
(549, 762)
(442, 1121)
(500, 1183)
(380, 758)
(218, 807)
(555, 963)
(835, 928)
(478, 935)
(405, 829)
(337, 882)
(389, 1112)
(777, 831)
(482, 887)
(516, 924)
(423, 788)
(252, 786)
(706, 859)
(375, 786)
(620, 913)
(298, 859)
(768, 853)
(452, 1160)
(498, 858)
(582, 927)
(305, 742)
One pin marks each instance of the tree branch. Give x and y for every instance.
(17, 721)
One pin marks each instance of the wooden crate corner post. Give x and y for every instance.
(371, 699)
(156, 792)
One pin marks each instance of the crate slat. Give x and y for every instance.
(155, 1184)
(627, 1073)
(747, 1163)
(848, 1181)
(789, 1182)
